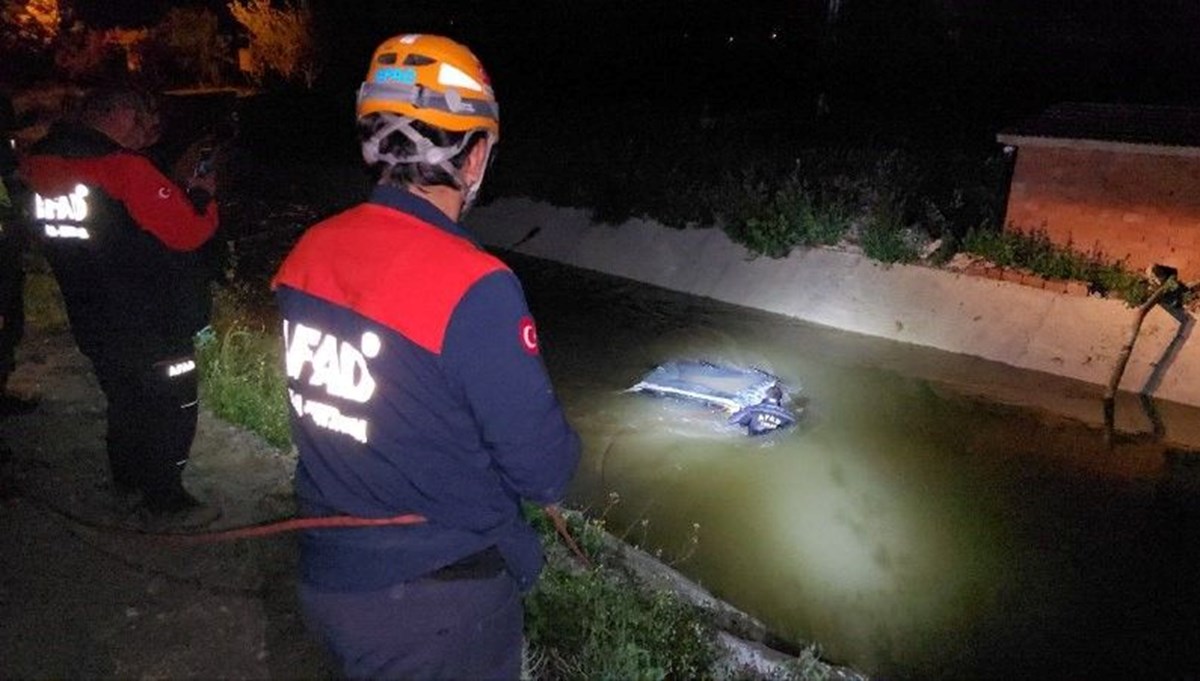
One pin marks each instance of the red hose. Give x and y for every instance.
(294, 524)
(289, 525)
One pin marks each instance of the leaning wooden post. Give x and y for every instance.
(1110, 394)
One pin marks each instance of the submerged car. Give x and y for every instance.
(753, 398)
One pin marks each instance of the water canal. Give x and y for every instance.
(935, 516)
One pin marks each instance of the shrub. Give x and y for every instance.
(797, 213)
(885, 235)
(282, 40)
(1032, 250)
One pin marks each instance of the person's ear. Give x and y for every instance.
(477, 160)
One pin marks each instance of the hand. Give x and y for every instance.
(206, 182)
(187, 163)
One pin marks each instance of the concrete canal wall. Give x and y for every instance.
(1073, 336)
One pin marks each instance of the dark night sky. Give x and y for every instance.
(975, 53)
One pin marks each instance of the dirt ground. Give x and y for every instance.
(82, 597)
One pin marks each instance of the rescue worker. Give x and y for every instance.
(418, 393)
(121, 238)
(12, 273)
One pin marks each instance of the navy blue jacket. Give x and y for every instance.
(415, 386)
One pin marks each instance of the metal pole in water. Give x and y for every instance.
(1110, 393)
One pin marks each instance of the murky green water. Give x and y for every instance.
(911, 527)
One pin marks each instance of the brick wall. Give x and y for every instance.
(1141, 207)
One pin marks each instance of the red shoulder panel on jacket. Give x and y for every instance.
(155, 203)
(389, 267)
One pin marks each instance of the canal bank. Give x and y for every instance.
(1073, 340)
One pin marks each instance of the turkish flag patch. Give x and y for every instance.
(528, 335)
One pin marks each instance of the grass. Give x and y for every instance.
(594, 624)
(1032, 250)
(43, 301)
(240, 381)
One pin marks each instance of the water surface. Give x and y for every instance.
(935, 516)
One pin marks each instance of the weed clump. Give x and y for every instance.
(1032, 250)
(591, 624)
(241, 371)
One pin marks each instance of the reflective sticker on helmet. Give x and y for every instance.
(164, 192)
(528, 333)
(453, 76)
(402, 75)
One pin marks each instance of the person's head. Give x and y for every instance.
(126, 114)
(427, 116)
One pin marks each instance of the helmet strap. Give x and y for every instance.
(427, 152)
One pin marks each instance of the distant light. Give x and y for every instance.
(774, 35)
(730, 40)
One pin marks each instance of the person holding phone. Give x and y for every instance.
(121, 238)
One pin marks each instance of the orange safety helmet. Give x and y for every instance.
(431, 79)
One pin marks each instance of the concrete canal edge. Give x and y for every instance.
(1074, 337)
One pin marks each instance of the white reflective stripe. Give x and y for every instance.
(67, 232)
(455, 77)
(180, 368)
(189, 405)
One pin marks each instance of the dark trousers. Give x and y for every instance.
(422, 629)
(152, 413)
